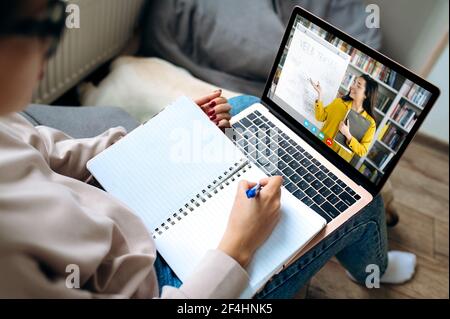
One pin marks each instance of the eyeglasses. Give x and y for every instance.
(50, 26)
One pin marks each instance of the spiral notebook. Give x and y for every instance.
(179, 174)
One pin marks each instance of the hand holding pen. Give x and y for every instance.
(252, 220)
(254, 191)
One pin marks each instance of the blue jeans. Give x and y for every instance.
(360, 242)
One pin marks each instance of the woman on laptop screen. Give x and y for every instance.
(361, 99)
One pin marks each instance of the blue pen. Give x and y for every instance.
(253, 192)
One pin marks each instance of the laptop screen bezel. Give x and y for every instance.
(315, 142)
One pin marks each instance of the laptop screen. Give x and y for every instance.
(351, 102)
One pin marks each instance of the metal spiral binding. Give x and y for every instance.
(200, 199)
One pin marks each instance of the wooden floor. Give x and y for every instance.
(421, 190)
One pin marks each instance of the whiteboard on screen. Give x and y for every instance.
(309, 57)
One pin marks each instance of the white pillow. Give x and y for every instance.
(144, 86)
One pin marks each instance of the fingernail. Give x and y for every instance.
(212, 104)
(212, 113)
(217, 91)
(213, 117)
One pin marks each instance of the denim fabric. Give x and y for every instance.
(242, 102)
(360, 242)
(166, 277)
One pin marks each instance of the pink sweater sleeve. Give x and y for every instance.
(68, 156)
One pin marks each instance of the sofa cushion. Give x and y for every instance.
(79, 122)
(233, 43)
(228, 43)
(144, 86)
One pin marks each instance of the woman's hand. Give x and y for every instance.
(252, 220)
(317, 87)
(217, 108)
(345, 130)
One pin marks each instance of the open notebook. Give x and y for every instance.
(179, 174)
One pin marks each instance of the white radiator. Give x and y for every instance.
(106, 26)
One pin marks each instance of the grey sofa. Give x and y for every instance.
(79, 122)
(233, 43)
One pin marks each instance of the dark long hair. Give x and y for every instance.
(371, 93)
(9, 12)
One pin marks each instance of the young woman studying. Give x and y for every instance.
(50, 218)
(361, 98)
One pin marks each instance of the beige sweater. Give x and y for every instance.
(50, 218)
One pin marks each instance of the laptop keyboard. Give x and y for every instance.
(304, 176)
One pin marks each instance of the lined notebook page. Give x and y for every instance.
(184, 244)
(160, 166)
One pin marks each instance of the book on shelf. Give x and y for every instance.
(415, 93)
(349, 78)
(386, 160)
(365, 170)
(406, 87)
(380, 157)
(403, 114)
(383, 131)
(376, 156)
(372, 174)
(373, 67)
(318, 30)
(392, 78)
(407, 118)
(393, 137)
(374, 177)
(411, 124)
(383, 103)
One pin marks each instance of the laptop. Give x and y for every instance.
(283, 134)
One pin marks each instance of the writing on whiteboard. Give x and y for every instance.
(308, 58)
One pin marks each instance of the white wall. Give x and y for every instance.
(437, 122)
(411, 29)
(431, 34)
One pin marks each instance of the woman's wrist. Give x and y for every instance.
(349, 138)
(241, 255)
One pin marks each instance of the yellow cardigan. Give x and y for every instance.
(333, 115)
